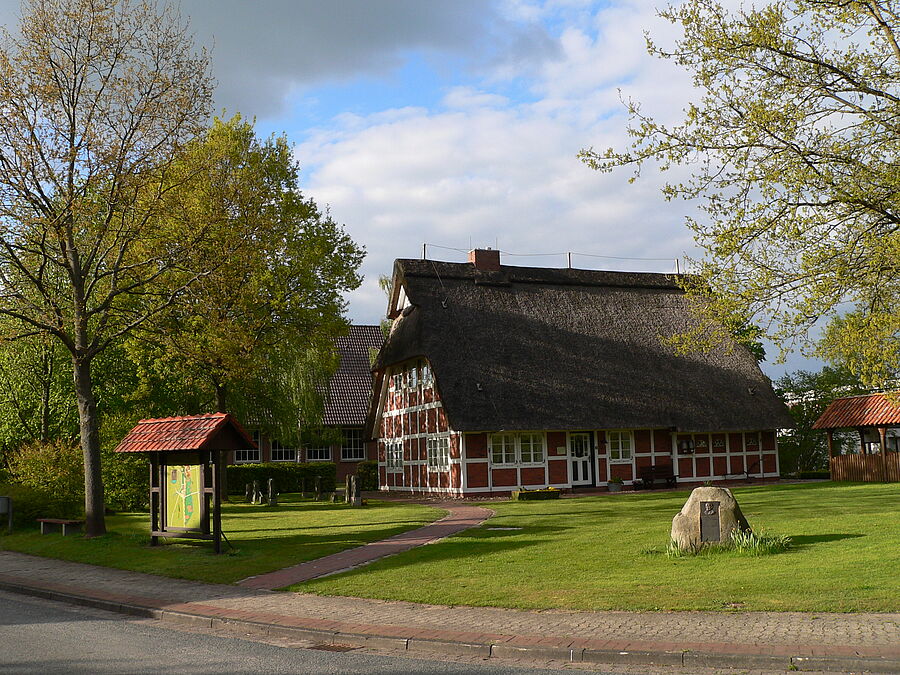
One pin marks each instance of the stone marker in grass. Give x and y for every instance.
(710, 516)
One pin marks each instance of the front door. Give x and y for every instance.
(580, 458)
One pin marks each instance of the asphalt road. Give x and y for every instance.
(39, 636)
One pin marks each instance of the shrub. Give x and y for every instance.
(287, 476)
(523, 495)
(52, 467)
(126, 481)
(30, 503)
(367, 473)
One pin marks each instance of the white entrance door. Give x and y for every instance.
(580, 458)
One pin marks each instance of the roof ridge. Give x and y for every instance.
(178, 418)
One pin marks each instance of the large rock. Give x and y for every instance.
(686, 530)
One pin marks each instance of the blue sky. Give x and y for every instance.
(458, 122)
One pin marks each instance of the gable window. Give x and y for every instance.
(352, 448)
(620, 444)
(393, 451)
(427, 377)
(248, 455)
(319, 454)
(439, 454)
(512, 449)
(414, 376)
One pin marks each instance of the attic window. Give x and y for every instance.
(427, 377)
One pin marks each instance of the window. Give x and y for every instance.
(320, 454)
(414, 376)
(620, 445)
(512, 449)
(503, 448)
(427, 377)
(397, 381)
(531, 448)
(393, 451)
(283, 454)
(439, 454)
(248, 455)
(352, 448)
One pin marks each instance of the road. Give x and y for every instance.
(39, 636)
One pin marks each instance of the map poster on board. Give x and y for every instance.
(183, 497)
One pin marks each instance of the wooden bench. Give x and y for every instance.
(63, 525)
(650, 474)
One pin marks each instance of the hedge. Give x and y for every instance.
(368, 475)
(29, 504)
(530, 495)
(814, 474)
(287, 476)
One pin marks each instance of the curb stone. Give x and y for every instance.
(500, 649)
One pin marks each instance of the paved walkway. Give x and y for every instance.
(765, 640)
(461, 517)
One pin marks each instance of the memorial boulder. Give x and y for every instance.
(711, 515)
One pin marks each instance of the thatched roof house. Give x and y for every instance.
(565, 350)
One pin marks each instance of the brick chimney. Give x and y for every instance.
(486, 259)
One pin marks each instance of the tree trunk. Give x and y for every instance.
(220, 398)
(95, 522)
(45, 392)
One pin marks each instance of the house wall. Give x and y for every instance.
(411, 414)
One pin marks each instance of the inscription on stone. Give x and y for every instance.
(709, 522)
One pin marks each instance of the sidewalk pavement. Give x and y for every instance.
(762, 640)
(460, 517)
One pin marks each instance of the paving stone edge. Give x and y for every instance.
(423, 646)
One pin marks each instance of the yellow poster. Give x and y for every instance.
(183, 497)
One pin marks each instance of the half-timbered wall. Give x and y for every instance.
(417, 450)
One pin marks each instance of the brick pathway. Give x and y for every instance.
(770, 640)
(461, 517)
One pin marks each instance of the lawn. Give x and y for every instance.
(593, 553)
(264, 539)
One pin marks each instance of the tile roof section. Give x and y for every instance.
(350, 389)
(171, 434)
(869, 410)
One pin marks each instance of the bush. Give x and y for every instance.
(53, 467)
(126, 481)
(529, 495)
(30, 503)
(287, 476)
(367, 474)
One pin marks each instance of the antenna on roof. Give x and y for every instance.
(424, 251)
(569, 255)
(677, 266)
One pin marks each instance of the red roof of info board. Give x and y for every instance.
(170, 434)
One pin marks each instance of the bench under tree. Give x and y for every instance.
(63, 525)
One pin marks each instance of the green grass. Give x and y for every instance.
(592, 553)
(265, 539)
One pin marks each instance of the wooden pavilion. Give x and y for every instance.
(186, 472)
(876, 418)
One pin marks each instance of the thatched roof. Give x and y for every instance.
(534, 348)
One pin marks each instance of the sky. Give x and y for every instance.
(457, 124)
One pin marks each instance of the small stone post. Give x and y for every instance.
(257, 493)
(248, 493)
(303, 486)
(355, 484)
(318, 488)
(272, 496)
(348, 489)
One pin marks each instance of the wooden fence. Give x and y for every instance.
(866, 468)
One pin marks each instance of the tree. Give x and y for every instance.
(793, 147)
(254, 335)
(807, 395)
(97, 97)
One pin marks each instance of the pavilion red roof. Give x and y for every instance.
(170, 434)
(869, 410)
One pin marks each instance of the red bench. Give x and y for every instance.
(63, 525)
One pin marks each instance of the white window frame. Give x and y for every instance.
(427, 378)
(393, 456)
(438, 453)
(249, 455)
(346, 447)
(507, 448)
(287, 454)
(414, 375)
(323, 452)
(615, 447)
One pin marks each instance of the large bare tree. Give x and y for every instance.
(96, 99)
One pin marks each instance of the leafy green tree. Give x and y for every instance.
(97, 98)
(254, 335)
(793, 146)
(807, 395)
